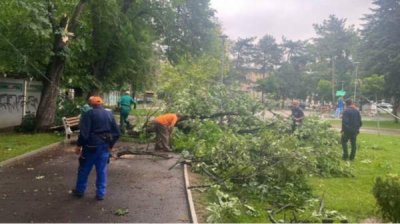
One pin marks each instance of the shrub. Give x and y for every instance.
(67, 108)
(28, 124)
(387, 195)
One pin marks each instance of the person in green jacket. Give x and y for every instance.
(124, 104)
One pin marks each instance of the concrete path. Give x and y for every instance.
(37, 190)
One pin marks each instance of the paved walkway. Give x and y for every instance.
(37, 190)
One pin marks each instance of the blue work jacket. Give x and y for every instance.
(96, 124)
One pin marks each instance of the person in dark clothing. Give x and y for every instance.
(351, 123)
(98, 134)
(297, 115)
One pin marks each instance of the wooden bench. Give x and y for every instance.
(71, 126)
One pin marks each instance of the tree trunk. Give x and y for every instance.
(46, 112)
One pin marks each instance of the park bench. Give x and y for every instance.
(71, 126)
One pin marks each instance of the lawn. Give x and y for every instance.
(13, 144)
(372, 124)
(377, 156)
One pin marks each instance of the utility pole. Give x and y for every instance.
(223, 38)
(355, 81)
(333, 79)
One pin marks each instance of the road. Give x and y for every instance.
(37, 190)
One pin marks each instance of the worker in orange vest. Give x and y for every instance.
(163, 126)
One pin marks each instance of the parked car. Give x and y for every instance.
(385, 106)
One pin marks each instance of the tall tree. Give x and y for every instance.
(381, 45)
(121, 54)
(24, 38)
(192, 32)
(63, 28)
(242, 51)
(268, 55)
(295, 51)
(290, 80)
(373, 86)
(334, 46)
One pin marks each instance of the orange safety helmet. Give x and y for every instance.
(95, 100)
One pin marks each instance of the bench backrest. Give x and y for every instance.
(70, 122)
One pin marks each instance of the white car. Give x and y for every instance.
(385, 106)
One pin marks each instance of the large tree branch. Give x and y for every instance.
(215, 115)
(74, 21)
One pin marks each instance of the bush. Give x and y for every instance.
(387, 195)
(28, 124)
(68, 108)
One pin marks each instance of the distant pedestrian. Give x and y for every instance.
(125, 106)
(351, 123)
(98, 134)
(297, 115)
(339, 107)
(163, 126)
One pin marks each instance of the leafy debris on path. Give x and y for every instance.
(121, 211)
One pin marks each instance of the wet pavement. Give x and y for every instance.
(140, 189)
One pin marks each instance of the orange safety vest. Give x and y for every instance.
(167, 120)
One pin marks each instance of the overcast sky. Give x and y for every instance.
(290, 18)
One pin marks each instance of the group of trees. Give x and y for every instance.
(364, 61)
(297, 69)
(112, 44)
(99, 45)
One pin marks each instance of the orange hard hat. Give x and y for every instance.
(95, 100)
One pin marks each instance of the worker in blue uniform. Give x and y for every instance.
(98, 134)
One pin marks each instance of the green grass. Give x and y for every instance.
(15, 144)
(377, 156)
(372, 124)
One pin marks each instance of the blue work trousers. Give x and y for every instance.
(99, 157)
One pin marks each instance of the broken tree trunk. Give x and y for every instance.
(62, 31)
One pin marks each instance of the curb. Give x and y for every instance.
(43, 149)
(192, 211)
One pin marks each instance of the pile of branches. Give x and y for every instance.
(247, 157)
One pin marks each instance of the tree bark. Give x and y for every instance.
(46, 112)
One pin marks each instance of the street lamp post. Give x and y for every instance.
(355, 81)
(223, 38)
